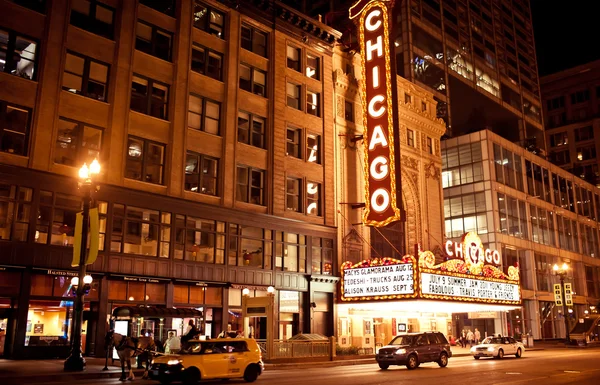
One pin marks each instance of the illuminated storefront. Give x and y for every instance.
(383, 297)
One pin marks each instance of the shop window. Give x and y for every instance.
(209, 19)
(10, 285)
(313, 148)
(313, 198)
(93, 16)
(290, 252)
(201, 173)
(294, 58)
(153, 40)
(293, 95)
(145, 161)
(77, 143)
(14, 128)
(293, 145)
(250, 186)
(251, 129)
(322, 256)
(199, 240)
(254, 40)
(136, 291)
(253, 80)
(165, 6)
(15, 212)
(213, 296)
(250, 246)
(141, 231)
(48, 323)
(313, 67)
(207, 62)
(293, 195)
(18, 55)
(56, 218)
(85, 76)
(313, 103)
(155, 292)
(149, 97)
(204, 114)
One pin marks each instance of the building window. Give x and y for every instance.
(423, 106)
(293, 95)
(560, 157)
(209, 20)
(204, 114)
(313, 67)
(56, 218)
(586, 153)
(429, 145)
(293, 196)
(253, 246)
(207, 62)
(407, 99)
(349, 111)
(290, 252)
(18, 55)
(145, 160)
(77, 143)
(199, 240)
(313, 148)
(14, 129)
(559, 139)
(15, 212)
(313, 198)
(322, 256)
(465, 213)
(294, 56)
(254, 40)
(140, 231)
(509, 167)
(201, 173)
(542, 226)
(93, 16)
(568, 237)
(251, 185)
(153, 40)
(555, 103)
(293, 146)
(85, 76)
(580, 96)
(313, 103)
(253, 80)
(462, 165)
(251, 129)
(513, 216)
(584, 133)
(149, 97)
(410, 138)
(165, 6)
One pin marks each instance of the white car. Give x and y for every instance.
(498, 347)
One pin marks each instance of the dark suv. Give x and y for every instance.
(413, 349)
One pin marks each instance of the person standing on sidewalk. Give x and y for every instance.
(477, 336)
(463, 339)
(470, 337)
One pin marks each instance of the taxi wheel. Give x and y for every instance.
(251, 374)
(477, 357)
(383, 366)
(500, 354)
(190, 376)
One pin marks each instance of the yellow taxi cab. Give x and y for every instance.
(222, 358)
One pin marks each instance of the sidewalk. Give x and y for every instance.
(39, 371)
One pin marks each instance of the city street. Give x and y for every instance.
(547, 367)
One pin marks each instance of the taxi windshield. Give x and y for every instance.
(402, 340)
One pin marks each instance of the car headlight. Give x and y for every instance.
(401, 351)
(473, 349)
(490, 349)
(173, 362)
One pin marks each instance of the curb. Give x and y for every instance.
(65, 377)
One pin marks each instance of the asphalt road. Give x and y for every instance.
(549, 367)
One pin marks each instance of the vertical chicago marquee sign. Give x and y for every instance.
(380, 118)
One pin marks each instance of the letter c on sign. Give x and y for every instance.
(369, 25)
(449, 248)
(385, 197)
(381, 172)
(381, 110)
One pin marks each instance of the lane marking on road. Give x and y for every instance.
(513, 373)
(572, 371)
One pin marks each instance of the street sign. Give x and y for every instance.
(557, 295)
(568, 294)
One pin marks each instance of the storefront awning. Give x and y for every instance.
(385, 307)
(155, 312)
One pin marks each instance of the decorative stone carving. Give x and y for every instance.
(340, 106)
(409, 162)
(431, 171)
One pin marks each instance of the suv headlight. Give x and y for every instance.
(173, 362)
(490, 349)
(401, 351)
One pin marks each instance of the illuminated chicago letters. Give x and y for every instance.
(381, 207)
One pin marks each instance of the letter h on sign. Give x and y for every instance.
(378, 89)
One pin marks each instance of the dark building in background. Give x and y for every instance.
(572, 115)
(476, 56)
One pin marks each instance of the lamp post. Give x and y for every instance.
(75, 362)
(562, 271)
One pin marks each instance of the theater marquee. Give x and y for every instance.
(379, 117)
(470, 274)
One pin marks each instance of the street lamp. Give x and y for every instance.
(562, 271)
(75, 362)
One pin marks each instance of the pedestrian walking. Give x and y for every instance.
(477, 336)
(463, 339)
(470, 337)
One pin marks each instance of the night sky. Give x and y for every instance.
(567, 33)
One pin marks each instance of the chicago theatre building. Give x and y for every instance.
(215, 130)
